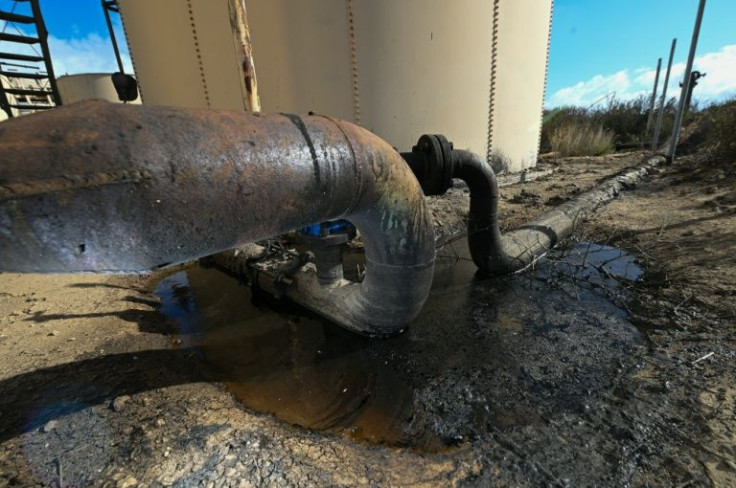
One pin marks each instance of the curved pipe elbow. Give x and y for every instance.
(513, 251)
(493, 253)
(114, 188)
(398, 237)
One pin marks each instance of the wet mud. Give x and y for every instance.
(528, 343)
(596, 368)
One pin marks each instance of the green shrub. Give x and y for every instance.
(581, 139)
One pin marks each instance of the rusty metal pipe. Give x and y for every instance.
(120, 188)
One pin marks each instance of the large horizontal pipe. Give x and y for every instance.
(119, 188)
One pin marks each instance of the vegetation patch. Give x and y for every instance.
(581, 139)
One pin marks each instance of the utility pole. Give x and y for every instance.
(660, 115)
(686, 82)
(654, 97)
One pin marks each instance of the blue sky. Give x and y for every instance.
(598, 47)
(604, 46)
(78, 38)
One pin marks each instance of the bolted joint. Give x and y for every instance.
(432, 160)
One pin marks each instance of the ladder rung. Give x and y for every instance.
(29, 76)
(17, 38)
(17, 18)
(25, 91)
(24, 106)
(21, 57)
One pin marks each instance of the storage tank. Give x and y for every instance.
(87, 86)
(473, 70)
(183, 52)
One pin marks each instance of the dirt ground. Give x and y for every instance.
(569, 375)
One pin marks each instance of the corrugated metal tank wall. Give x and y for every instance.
(302, 56)
(423, 67)
(520, 79)
(406, 67)
(183, 52)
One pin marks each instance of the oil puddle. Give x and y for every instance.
(597, 264)
(483, 355)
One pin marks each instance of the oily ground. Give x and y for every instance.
(97, 389)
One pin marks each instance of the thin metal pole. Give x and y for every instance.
(686, 82)
(654, 97)
(660, 115)
(106, 8)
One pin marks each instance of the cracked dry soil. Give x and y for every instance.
(574, 373)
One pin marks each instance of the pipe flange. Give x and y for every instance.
(432, 162)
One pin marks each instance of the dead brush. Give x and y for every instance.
(581, 139)
(720, 141)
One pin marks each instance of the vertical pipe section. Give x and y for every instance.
(654, 97)
(686, 83)
(663, 100)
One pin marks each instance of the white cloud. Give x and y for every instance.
(90, 54)
(587, 92)
(719, 82)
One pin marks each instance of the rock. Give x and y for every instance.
(49, 426)
(119, 402)
(128, 482)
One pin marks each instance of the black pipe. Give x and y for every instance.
(519, 248)
(484, 232)
(106, 187)
(437, 162)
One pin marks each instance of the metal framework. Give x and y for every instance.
(29, 86)
(107, 7)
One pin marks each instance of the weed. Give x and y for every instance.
(721, 121)
(581, 139)
(626, 120)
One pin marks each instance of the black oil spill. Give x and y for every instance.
(484, 354)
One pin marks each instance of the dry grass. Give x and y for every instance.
(625, 119)
(722, 126)
(581, 139)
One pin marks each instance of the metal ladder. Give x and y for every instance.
(27, 81)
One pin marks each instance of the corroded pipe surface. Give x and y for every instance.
(119, 188)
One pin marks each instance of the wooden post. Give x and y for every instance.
(249, 83)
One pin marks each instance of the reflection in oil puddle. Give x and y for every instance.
(291, 364)
(484, 354)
